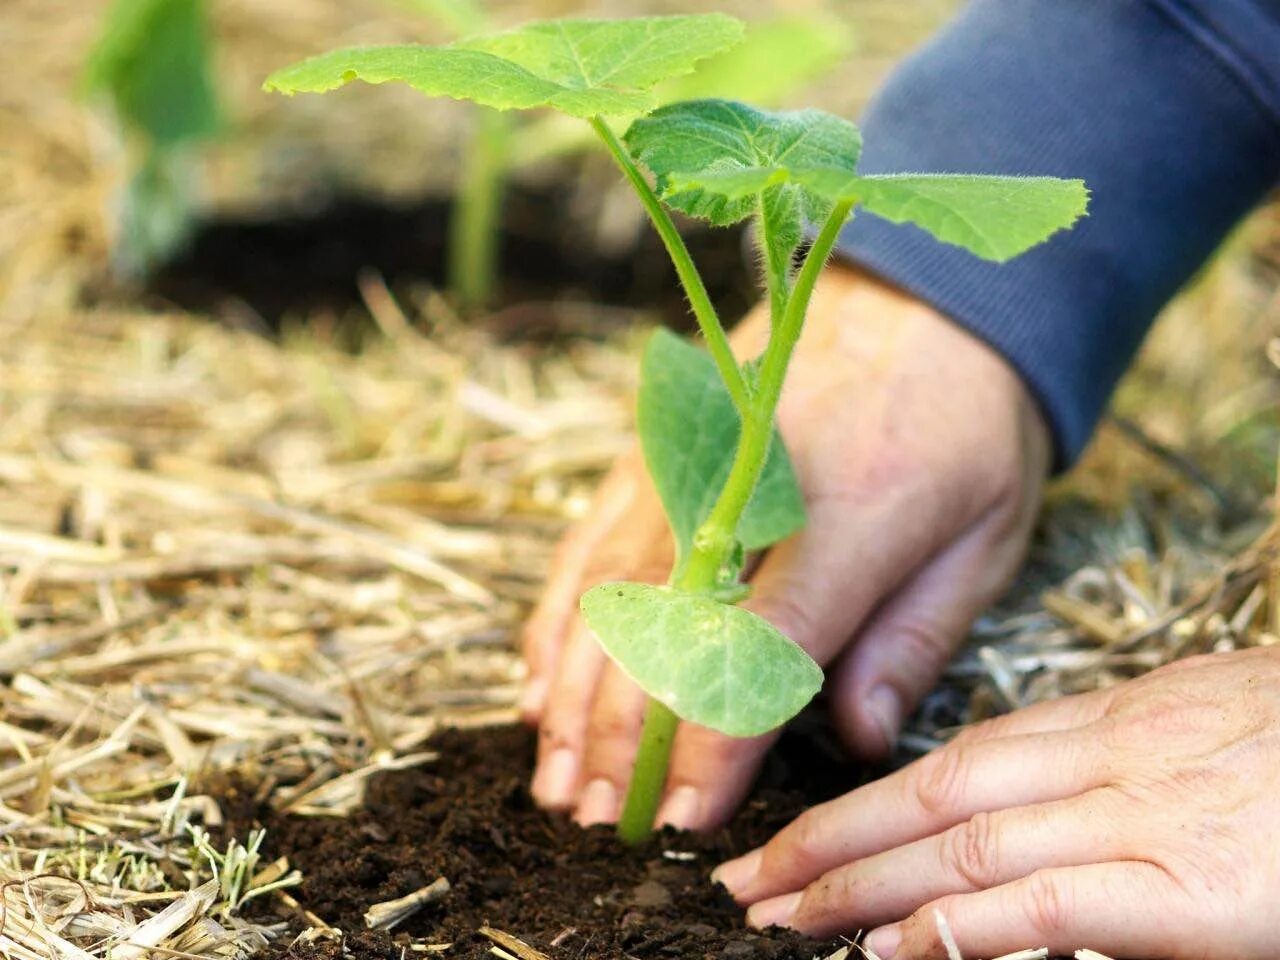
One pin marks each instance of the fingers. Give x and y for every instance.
(710, 776)
(937, 792)
(563, 727)
(987, 850)
(902, 651)
(1122, 909)
(549, 624)
(612, 739)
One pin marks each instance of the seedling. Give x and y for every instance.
(706, 422)
(152, 64)
(774, 59)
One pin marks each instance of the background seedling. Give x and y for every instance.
(152, 65)
(707, 422)
(774, 60)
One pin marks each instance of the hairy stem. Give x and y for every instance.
(649, 775)
(695, 290)
(475, 224)
(716, 538)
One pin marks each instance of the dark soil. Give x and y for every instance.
(574, 894)
(263, 269)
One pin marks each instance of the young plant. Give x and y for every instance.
(774, 59)
(706, 422)
(152, 63)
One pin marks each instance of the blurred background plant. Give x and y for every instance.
(152, 67)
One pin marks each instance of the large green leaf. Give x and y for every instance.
(689, 431)
(713, 664)
(152, 60)
(995, 218)
(581, 67)
(694, 148)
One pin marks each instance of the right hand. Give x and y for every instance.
(921, 456)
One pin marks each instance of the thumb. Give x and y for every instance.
(902, 650)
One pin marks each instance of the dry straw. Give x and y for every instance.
(222, 555)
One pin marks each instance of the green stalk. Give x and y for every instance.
(695, 290)
(715, 540)
(649, 775)
(474, 228)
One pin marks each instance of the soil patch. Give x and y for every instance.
(569, 892)
(264, 269)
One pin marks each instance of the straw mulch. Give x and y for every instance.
(221, 555)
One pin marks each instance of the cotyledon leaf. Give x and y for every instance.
(713, 664)
(581, 67)
(689, 431)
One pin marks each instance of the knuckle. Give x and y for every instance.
(922, 642)
(941, 779)
(801, 842)
(1048, 904)
(971, 852)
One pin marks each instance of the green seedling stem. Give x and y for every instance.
(716, 540)
(699, 301)
(474, 225)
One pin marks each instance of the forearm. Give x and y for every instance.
(1170, 112)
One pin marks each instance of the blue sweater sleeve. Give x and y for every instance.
(1169, 109)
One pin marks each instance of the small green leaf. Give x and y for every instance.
(711, 663)
(712, 157)
(581, 67)
(152, 60)
(995, 218)
(689, 431)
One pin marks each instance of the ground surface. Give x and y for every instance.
(570, 892)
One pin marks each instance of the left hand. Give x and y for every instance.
(1139, 821)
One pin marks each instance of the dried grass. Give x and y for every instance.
(219, 553)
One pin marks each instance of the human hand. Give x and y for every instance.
(921, 457)
(1140, 821)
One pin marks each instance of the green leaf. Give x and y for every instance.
(774, 61)
(712, 158)
(711, 663)
(152, 60)
(995, 218)
(581, 67)
(689, 431)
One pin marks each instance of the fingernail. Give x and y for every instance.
(884, 942)
(533, 696)
(738, 875)
(556, 778)
(599, 803)
(885, 708)
(680, 809)
(774, 913)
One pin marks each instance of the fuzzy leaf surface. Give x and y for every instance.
(581, 67)
(995, 218)
(689, 431)
(713, 664)
(696, 148)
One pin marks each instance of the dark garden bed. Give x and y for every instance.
(568, 892)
